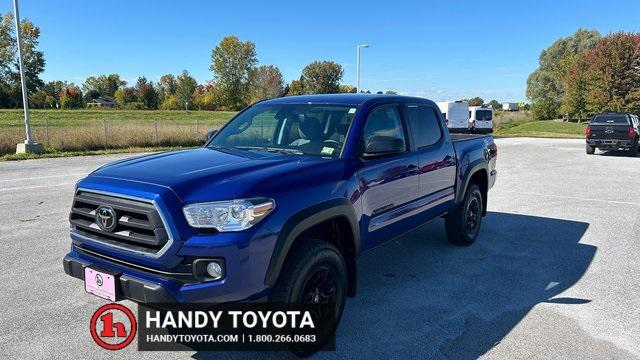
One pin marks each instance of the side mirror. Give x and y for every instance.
(378, 146)
(210, 134)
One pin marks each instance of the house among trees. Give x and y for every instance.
(102, 102)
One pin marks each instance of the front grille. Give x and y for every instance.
(139, 226)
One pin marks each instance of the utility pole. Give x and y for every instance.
(358, 66)
(29, 145)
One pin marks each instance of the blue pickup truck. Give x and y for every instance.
(279, 204)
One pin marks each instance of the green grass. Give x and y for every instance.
(15, 117)
(545, 128)
(79, 131)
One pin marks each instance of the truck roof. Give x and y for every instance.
(342, 99)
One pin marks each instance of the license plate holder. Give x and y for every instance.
(101, 283)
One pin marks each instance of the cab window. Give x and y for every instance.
(424, 125)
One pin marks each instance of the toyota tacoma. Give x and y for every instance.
(279, 204)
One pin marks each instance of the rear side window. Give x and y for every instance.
(610, 119)
(424, 125)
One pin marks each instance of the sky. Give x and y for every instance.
(442, 50)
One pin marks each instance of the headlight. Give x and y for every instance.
(233, 215)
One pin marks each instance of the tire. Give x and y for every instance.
(590, 150)
(298, 282)
(463, 224)
(634, 150)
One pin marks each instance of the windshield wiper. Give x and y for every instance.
(271, 149)
(219, 147)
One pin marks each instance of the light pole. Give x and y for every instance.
(29, 145)
(358, 66)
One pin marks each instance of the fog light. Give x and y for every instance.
(215, 270)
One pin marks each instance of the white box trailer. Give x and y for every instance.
(456, 114)
(509, 106)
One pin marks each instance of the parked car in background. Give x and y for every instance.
(456, 115)
(509, 106)
(481, 119)
(613, 131)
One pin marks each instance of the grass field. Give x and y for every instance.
(83, 132)
(546, 128)
(89, 130)
(14, 117)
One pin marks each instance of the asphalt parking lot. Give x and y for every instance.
(555, 272)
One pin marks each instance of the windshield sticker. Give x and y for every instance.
(327, 150)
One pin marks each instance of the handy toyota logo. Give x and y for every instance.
(106, 218)
(113, 326)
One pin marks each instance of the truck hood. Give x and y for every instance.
(205, 174)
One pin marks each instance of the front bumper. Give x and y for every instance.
(245, 269)
(128, 287)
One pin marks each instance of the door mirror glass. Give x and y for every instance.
(210, 134)
(380, 145)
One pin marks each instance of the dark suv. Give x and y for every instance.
(613, 131)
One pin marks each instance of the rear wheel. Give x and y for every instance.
(314, 273)
(590, 149)
(634, 150)
(463, 224)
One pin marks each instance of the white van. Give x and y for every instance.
(481, 119)
(456, 114)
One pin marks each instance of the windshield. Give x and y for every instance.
(611, 119)
(288, 128)
(483, 115)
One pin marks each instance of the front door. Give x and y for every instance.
(388, 183)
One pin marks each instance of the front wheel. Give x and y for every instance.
(590, 149)
(463, 224)
(314, 273)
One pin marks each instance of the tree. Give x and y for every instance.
(545, 85)
(166, 86)
(41, 100)
(576, 81)
(147, 94)
(232, 63)
(32, 58)
(322, 77)
(71, 98)
(105, 85)
(295, 88)
(205, 97)
(347, 89)
(476, 101)
(54, 89)
(266, 83)
(91, 95)
(185, 87)
(613, 74)
(494, 104)
(125, 96)
(391, 92)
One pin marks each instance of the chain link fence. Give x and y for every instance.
(83, 135)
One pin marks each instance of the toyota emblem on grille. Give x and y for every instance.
(106, 218)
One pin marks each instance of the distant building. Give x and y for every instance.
(102, 102)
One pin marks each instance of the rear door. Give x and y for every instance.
(436, 158)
